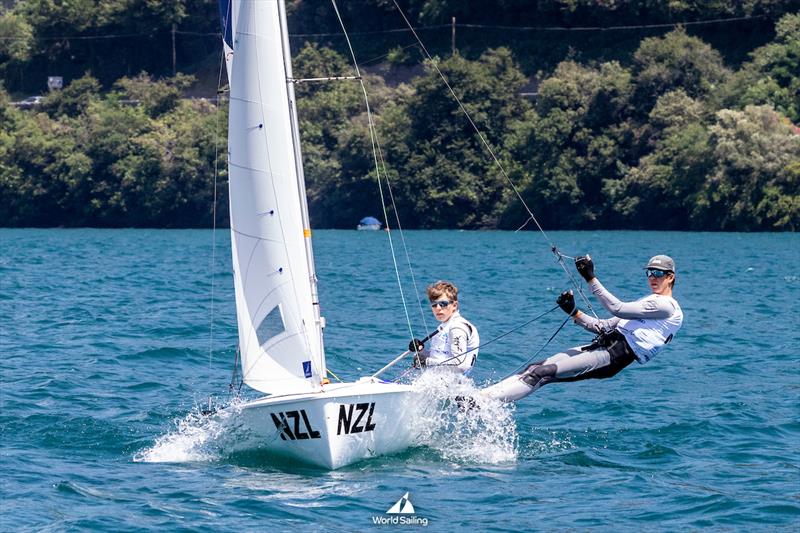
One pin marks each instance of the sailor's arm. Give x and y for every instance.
(654, 307)
(566, 301)
(595, 325)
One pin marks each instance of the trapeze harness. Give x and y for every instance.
(455, 344)
(638, 331)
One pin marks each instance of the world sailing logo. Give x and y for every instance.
(403, 503)
(403, 513)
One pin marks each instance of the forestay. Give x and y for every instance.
(279, 326)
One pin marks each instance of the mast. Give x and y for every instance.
(301, 181)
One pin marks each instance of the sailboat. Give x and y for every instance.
(282, 356)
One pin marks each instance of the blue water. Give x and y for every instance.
(112, 338)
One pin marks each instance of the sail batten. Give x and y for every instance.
(279, 336)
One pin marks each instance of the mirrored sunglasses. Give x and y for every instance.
(440, 303)
(655, 273)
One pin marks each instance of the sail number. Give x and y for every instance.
(294, 425)
(351, 418)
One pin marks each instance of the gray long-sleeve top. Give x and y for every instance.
(647, 323)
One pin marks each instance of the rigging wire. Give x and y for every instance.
(214, 207)
(509, 332)
(378, 150)
(485, 142)
(373, 140)
(531, 358)
(495, 339)
(402, 237)
(214, 211)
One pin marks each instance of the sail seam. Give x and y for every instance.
(243, 234)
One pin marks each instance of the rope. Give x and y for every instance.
(233, 384)
(495, 339)
(329, 371)
(402, 237)
(509, 332)
(497, 162)
(575, 283)
(373, 140)
(553, 336)
(214, 209)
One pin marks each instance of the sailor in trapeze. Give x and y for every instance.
(636, 332)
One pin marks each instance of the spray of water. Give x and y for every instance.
(459, 423)
(195, 437)
(474, 430)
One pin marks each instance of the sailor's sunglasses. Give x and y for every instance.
(654, 273)
(440, 303)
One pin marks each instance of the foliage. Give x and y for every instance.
(771, 77)
(676, 61)
(448, 176)
(94, 160)
(672, 137)
(156, 97)
(754, 183)
(16, 37)
(574, 141)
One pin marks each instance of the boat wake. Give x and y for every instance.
(472, 429)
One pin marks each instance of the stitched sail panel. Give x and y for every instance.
(271, 269)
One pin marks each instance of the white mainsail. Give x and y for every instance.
(280, 337)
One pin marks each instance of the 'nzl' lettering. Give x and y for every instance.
(294, 425)
(351, 416)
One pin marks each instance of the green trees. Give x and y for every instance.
(445, 174)
(754, 182)
(88, 159)
(672, 138)
(649, 147)
(109, 38)
(574, 140)
(333, 133)
(771, 75)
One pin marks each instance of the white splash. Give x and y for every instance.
(478, 430)
(196, 437)
(475, 430)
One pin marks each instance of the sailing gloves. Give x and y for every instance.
(567, 303)
(415, 345)
(585, 267)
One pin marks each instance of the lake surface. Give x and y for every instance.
(112, 339)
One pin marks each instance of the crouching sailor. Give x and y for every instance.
(455, 342)
(637, 331)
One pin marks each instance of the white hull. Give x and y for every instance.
(339, 425)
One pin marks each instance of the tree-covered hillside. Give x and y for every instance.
(642, 124)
